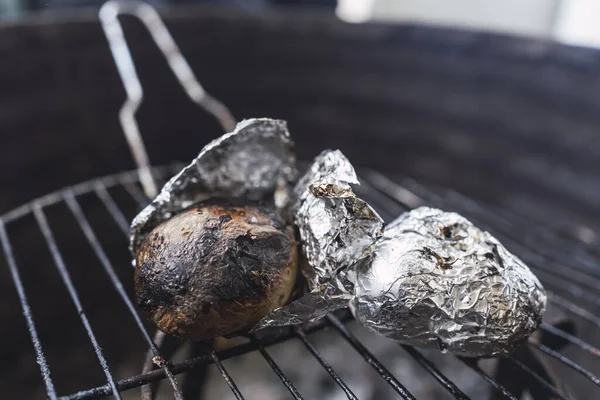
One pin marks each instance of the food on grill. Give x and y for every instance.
(436, 280)
(215, 269)
(337, 229)
(206, 268)
(253, 162)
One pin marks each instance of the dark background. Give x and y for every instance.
(506, 119)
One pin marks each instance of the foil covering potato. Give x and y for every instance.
(435, 280)
(337, 229)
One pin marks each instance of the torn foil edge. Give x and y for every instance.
(337, 229)
(254, 161)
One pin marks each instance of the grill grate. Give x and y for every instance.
(389, 198)
(569, 269)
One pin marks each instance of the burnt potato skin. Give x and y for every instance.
(215, 269)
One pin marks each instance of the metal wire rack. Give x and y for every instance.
(389, 198)
(567, 266)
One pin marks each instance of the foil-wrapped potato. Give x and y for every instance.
(337, 229)
(435, 280)
(215, 269)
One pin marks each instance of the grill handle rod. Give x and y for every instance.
(113, 30)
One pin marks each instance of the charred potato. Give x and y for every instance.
(215, 269)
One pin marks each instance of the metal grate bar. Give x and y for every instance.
(75, 208)
(573, 308)
(389, 204)
(37, 345)
(567, 361)
(112, 207)
(571, 339)
(288, 384)
(156, 375)
(558, 281)
(591, 266)
(302, 336)
(370, 358)
(472, 363)
(226, 376)
(135, 192)
(432, 369)
(547, 385)
(62, 269)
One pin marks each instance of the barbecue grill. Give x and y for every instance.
(82, 232)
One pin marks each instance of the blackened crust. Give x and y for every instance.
(215, 269)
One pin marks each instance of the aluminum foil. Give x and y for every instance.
(337, 229)
(254, 161)
(435, 280)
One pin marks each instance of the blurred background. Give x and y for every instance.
(496, 100)
(571, 21)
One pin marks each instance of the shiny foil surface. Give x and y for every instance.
(254, 161)
(337, 229)
(435, 280)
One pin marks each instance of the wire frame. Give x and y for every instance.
(390, 199)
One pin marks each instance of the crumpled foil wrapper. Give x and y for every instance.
(337, 229)
(435, 280)
(254, 161)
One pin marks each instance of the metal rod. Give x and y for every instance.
(568, 362)
(547, 385)
(472, 363)
(77, 212)
(156, 375)
(573, 308)
(236, 392)
(135, 192)
(62, 269)
(370, 358)
(280, 374)
(112, 207)
(436, 373)
(37, 344)
(588, 348)
(113, 30)
(302, 336)
(148, 389)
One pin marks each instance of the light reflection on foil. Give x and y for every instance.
(337, 229)
(435, 280)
